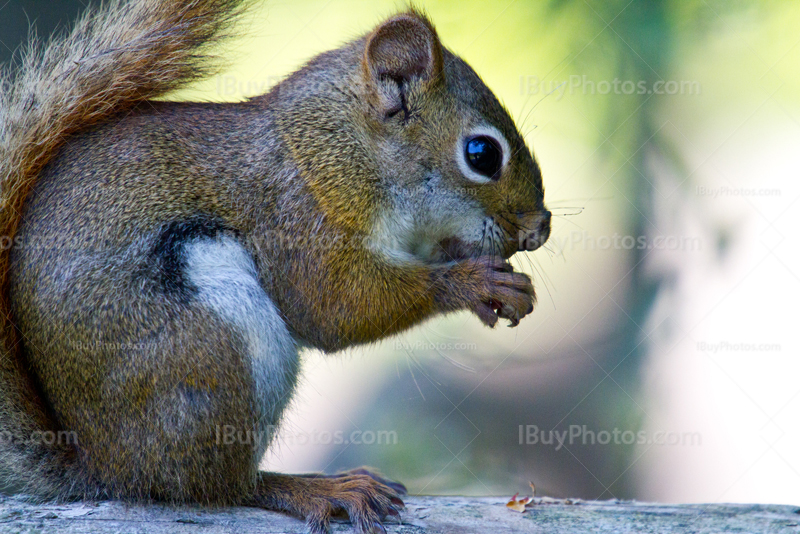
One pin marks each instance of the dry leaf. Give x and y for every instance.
(518, 505)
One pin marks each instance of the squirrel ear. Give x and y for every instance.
(402, 49)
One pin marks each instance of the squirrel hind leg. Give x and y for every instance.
(226, 281)
(184, 413)
(187, 426)
(179, 433)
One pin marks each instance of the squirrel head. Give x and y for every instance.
(400, 140)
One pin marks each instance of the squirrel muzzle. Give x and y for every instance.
(534, 232)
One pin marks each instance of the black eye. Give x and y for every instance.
(484, 156)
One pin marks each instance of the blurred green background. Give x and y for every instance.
(668, 134)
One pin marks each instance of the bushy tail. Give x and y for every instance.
(114, 58)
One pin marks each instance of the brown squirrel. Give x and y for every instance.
(164, 263)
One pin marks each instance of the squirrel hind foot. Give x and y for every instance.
(318, 499)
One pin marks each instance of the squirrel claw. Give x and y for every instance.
(514, 321)
(398, 487)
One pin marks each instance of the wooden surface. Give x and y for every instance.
(423, 515)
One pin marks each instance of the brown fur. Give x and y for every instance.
(302, 178)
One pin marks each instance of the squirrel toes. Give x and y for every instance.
(164, 263)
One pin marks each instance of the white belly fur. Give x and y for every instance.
(227, 282)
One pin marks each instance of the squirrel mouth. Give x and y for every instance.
(454, 249)
(526, 234)
(532, 241)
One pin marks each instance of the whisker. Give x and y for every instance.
(564, 217)
(575, 211)
(516, 226)
(423, 371)
(456, 363)
(540, 101)
(544, 279)
(413, 377)
(549, 285)
(581, 200)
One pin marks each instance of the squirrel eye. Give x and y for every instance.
(484, 156)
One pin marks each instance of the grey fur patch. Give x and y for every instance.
(227, 282)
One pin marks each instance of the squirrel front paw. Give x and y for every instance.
(365, 500)
(491, 289)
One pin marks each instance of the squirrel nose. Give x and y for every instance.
(540, 234)
(544, 224)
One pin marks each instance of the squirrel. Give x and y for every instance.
(164, 263)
